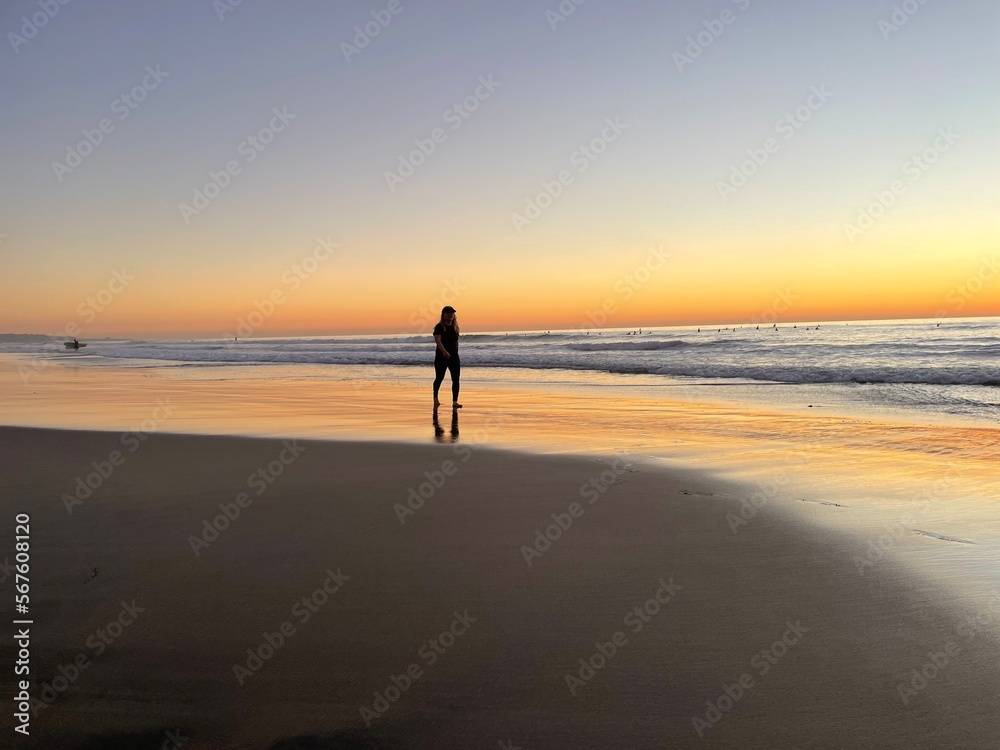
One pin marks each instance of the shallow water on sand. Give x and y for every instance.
(926, 489)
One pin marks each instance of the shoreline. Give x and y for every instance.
(717, 392)
(931, 488)
(496, 641)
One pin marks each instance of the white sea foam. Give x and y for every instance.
(917, 353)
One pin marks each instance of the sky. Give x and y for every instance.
(177, 168)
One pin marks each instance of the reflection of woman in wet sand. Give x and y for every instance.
(446, 355)
(439, 430)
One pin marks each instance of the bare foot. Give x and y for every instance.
(456, 405)
(436, 403)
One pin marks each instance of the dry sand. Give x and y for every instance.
(727, 601)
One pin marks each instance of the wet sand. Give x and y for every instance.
(755, 628)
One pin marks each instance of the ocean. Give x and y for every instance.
(924, 369)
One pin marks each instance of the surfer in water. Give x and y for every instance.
(446, 355)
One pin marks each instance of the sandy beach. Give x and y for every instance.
(266, 593)
(500, 376)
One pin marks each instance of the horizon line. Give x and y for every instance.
(200, 336)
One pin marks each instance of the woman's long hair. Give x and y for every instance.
(454, 322)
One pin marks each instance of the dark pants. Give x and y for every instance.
(454, 366)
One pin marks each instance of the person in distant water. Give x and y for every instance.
(446, 355)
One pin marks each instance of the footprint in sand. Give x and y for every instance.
(942, 537)
(823, 502)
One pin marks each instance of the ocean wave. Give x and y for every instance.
(775, 372)
(647, 346)
(849, 355)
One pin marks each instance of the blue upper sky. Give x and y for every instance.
(891, 89)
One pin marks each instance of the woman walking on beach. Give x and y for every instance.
(446, 354)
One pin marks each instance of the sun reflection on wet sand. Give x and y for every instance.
(878, 469)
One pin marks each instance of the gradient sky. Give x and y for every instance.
(780, 237)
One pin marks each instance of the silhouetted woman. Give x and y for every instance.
(446, 355)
